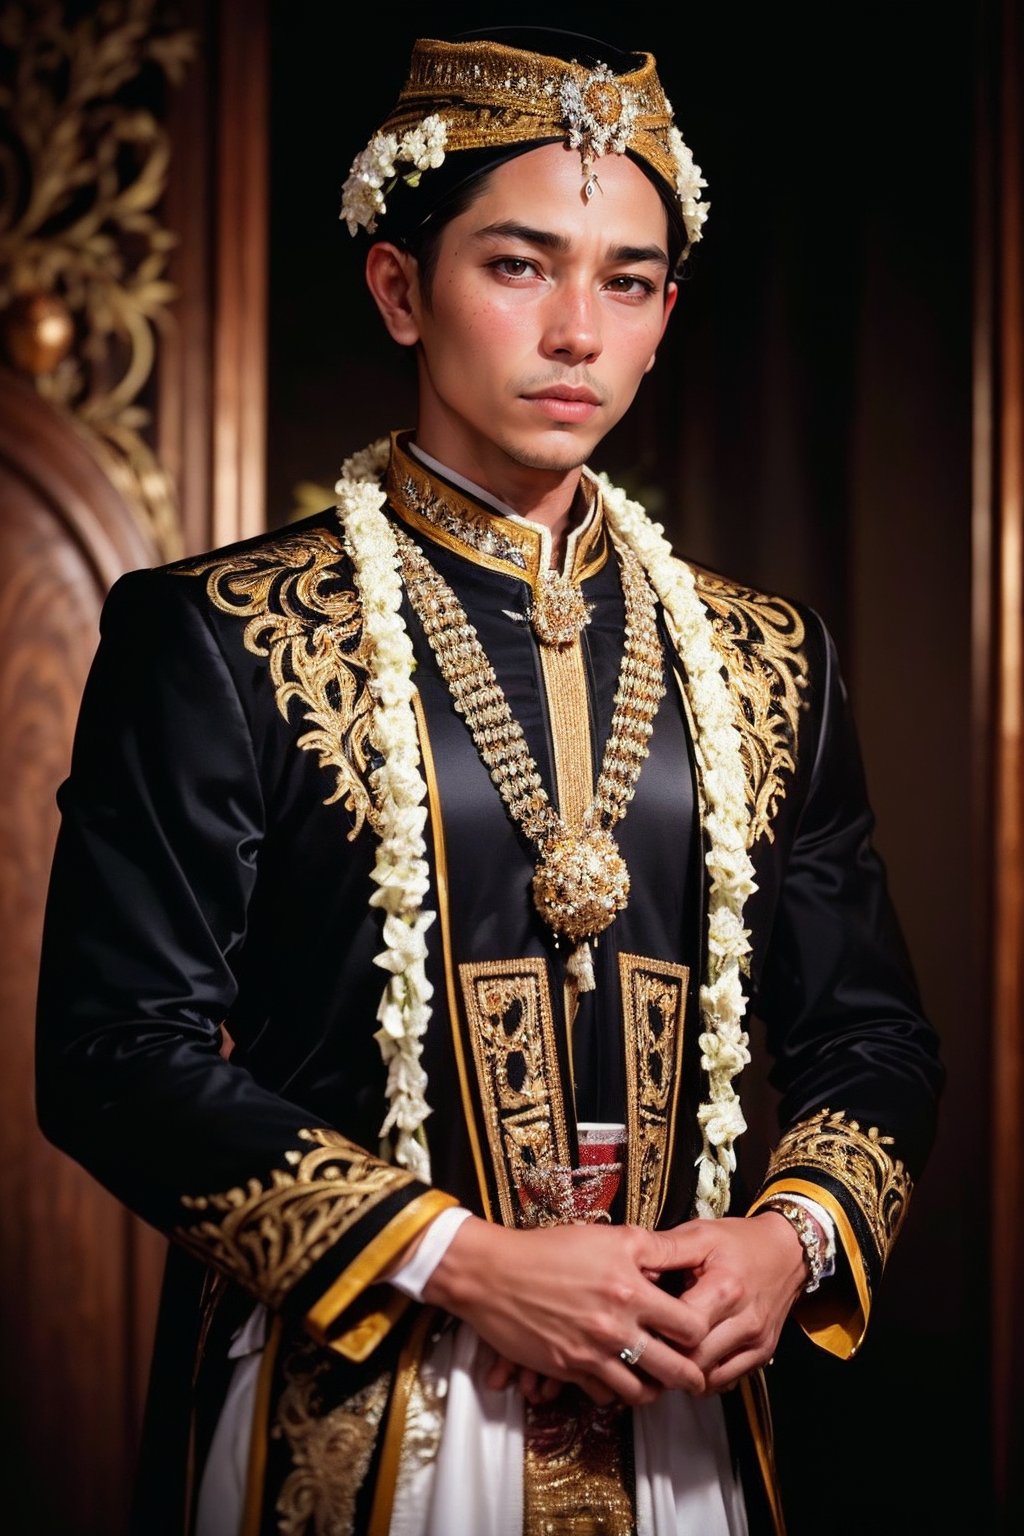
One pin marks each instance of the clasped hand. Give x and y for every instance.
(559, 1304)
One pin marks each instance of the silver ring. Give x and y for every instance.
(631, 1356)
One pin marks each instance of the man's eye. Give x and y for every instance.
(628, 283)
(513, 266)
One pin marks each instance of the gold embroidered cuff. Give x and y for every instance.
(359, 1339)
(268, 1233)
(834, 1152)
(853, 1175)
(835, 1319)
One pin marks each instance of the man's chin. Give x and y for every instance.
(555, 453)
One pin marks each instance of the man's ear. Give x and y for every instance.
(393, 278)
(671, 294)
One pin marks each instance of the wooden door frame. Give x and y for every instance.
(213, 363)
(998, 579)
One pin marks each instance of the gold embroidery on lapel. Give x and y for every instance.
(268, 1235)
(304, 616)
(653, 1009)
(761, 639)
(857, 1160)
(331, 1445)
(508, 1010)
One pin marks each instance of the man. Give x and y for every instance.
(478, 819)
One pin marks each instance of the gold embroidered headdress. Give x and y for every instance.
(483, 95)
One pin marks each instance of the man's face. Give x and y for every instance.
(544, 314)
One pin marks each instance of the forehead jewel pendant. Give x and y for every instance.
(599, 114)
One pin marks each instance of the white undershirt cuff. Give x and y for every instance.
(412, 1276)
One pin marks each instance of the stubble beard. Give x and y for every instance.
(572, 457)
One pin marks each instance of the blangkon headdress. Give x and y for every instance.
(484, 95)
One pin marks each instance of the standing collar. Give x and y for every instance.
(449, 510)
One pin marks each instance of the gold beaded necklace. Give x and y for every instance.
(581, 881)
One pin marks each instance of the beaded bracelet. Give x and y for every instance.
(807, 1231)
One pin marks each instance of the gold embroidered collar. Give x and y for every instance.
(448, 516)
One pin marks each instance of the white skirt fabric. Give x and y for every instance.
(685, 1482)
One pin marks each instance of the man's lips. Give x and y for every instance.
(565, 402)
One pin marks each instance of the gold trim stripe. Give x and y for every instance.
(394, 1430)
(444, 918)
(568, 701)
(759, 1418)
(359, 1342)
(366, 1270)
(841, 1336)
(256, 1470)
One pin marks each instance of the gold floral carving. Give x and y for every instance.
(79, 238)
(856, 1159)
(761, 640)
(268, 1233)
(653, 1009)
(331, 1447)
(304, 616)
(508, 1009)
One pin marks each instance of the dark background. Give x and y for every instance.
(808, 429)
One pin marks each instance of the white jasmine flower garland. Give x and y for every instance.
(375, 172)
(401, 872)
(723, 1042)
(689, 181)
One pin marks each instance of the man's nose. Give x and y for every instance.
(572, 331)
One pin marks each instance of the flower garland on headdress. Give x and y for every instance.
(486, 95)
(401, 872)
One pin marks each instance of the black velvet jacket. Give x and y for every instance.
(208, 995)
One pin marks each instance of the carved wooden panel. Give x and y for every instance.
(79, 1278)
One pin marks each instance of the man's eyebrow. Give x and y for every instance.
(509, 229)
(639, 253)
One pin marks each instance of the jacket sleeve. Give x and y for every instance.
(854, 1057)
(162, 820)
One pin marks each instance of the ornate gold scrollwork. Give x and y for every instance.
(508, 1009)
(761, 639)
(330, 1446)
(269, 1232)
(653, 1009)
(308, 623)
(856, 1159)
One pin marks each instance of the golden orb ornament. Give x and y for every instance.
(603, 100)
(560, 611)
(580, 883)
(38, 332)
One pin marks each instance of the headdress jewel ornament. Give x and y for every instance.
(485, 95)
